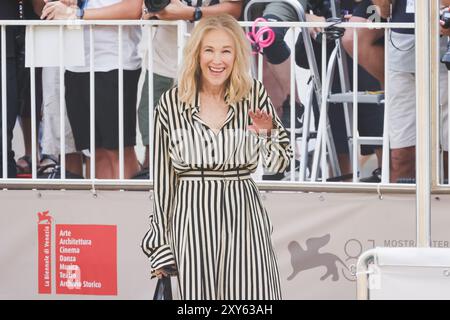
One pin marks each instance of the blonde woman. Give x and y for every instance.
(209, 222)
(165, 51)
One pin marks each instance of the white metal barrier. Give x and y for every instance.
(404, 274)
(92, 182)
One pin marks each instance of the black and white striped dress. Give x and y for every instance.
(208, 215)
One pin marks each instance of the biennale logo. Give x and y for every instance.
(44, 252)
(84, 260)
(70, 273)
(311, 258)
(44, 217)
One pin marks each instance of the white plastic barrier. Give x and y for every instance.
(404, 273)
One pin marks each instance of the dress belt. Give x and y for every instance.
(238, 174)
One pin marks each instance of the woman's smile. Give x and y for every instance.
(217, 57)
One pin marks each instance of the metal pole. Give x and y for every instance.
(424, 20)
(292, 104)
(33, 109)
(355, 136)
(4, 104)
(62, 104)
(436, 155)
(92, 102)
(386, 163)
(151, 106)
(323, 113)
(121, 106)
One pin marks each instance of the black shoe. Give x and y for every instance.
(54, 172)
(374, 178)
(286, 118)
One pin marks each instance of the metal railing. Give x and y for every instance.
(301, 185)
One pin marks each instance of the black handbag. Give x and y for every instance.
(163, 289)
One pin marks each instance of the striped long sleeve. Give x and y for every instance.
(276, 148)
(208, 213)
(155, 244)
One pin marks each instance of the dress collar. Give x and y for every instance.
(195, 104)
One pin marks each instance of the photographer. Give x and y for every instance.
(402, 98)
(165, 66)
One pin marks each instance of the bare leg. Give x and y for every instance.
(87, 162)
(25, 124)
(146, 163)
(131, 163)
(344, 165)
(403, 163)
(276, 89)
(277, 80)
(107, 163)
(379, 154)
(370, 54)
(74, 163)
(103, 164)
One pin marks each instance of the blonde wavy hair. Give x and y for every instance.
(239, 83)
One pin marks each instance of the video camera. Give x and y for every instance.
(156, 5)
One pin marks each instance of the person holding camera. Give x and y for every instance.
(165, 66)
(401, 97)
(77, 80)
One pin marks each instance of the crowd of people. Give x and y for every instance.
(401, 46)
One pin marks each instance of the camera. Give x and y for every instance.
(156, 5)
(445, 17)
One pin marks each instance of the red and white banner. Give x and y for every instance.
(86, 259)
(44, 255)
(87, 247)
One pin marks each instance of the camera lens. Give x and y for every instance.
(156, 5)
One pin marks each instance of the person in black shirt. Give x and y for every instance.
(13, 10)
(23, 164)
(9, 11)
(371, 59)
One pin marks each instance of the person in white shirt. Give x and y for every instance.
(106, 68)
